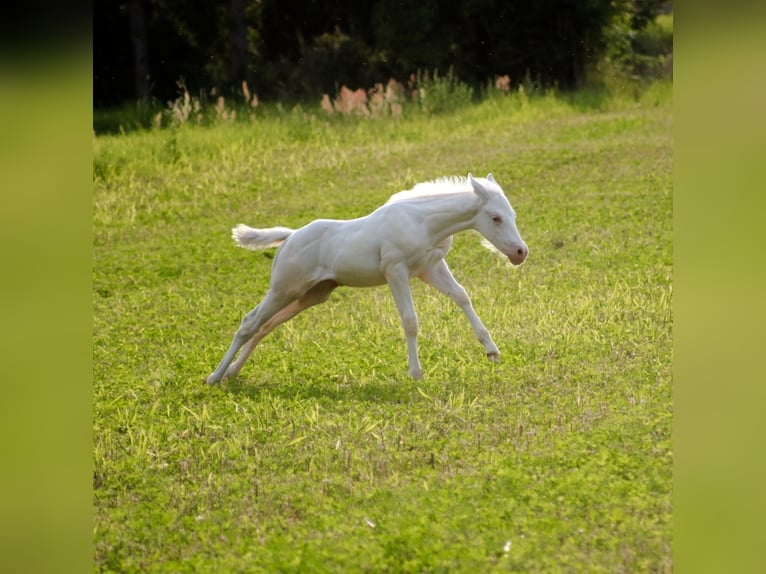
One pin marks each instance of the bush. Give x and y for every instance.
(379, 101)
(430, 94)
(641, 55)
(331, 60)
(437, 94)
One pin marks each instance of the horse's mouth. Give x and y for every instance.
(517, 259)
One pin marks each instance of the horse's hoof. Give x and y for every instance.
(494, 356)
(417, 375)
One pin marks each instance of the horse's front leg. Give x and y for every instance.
(440, 277)
(398, 281)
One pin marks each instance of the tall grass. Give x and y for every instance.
(424, 93)
(323, 455)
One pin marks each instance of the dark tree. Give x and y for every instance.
(140, 56)
(238, 52)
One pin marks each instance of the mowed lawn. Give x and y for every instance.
(323, 456)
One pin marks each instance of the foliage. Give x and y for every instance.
(331, 60)
(425, 94)
(439, 94)
(430, 93)
(639, 54)
(323, 456)
(296, 50)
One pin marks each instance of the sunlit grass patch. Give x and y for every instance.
(323, 455)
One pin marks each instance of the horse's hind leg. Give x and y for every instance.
(247, 338)
(317, 294)
(249, 327)
(279, 318)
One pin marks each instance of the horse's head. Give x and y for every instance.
(496, 219)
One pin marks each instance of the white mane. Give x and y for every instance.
(440, 186)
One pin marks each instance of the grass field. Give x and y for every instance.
(323, 456)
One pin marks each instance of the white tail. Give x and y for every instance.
(252, 238)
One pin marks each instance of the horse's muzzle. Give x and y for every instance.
(518, 256)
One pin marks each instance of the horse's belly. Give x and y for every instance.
(359, 276)
(352, 257)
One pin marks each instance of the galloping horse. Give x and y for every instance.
(409, 236)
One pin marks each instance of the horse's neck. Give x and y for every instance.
(451, 213)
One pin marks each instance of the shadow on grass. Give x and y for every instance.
(326, 388)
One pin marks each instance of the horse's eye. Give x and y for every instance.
(497, 219)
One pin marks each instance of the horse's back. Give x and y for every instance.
(359, 252)
(329, 249)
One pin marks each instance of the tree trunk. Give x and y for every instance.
(237, 42)
(140, 57)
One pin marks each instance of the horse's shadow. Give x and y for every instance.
(331, 388)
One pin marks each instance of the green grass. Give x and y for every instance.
(323, 456)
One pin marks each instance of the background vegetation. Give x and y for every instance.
(323, 455)
(298, 50)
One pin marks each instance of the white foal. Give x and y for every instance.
(407, 237)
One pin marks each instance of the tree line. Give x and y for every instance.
(299, 49)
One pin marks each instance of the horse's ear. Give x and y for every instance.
(490, 178)
(478, 188)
